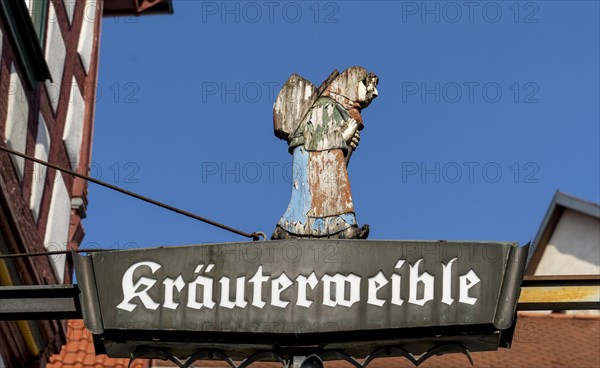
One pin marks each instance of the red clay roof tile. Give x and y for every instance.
(79, 352)
(541, 340)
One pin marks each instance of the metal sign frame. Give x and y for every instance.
(457, 293)
(536, 293)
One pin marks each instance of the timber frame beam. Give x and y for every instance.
(559, 293)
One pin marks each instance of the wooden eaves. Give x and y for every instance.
(114, 8)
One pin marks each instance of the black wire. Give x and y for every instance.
(55, 253)
(255, 235)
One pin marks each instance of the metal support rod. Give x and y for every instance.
(255, 235)
(39, 302)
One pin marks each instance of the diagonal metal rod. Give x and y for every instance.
(55, 253)
(255, 235)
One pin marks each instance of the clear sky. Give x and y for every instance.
(485, 110)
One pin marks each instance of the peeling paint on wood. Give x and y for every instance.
(293, 101)
(321, 126)
(331, 188)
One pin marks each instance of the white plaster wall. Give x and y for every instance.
(16, 119)
(73, 132)
(42, 150)
(574, 247)
(70, 7)
(86, 37)
(29, 4)
(57, 229)
(55, 56)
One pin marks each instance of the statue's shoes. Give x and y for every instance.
(353, 232)
(279, 233)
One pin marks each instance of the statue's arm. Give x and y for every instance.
(350, 130)
(351, 134)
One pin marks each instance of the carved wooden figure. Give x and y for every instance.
(322, 128)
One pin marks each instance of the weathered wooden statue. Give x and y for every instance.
(322, 128)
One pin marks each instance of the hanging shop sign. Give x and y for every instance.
(355, 295)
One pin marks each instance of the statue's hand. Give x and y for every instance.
(355, 139)
(350, 131)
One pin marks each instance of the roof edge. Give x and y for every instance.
(559, 203)
(577, 204)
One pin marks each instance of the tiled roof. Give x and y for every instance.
(541, 340)
(79, 352)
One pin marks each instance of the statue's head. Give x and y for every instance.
(356, 84)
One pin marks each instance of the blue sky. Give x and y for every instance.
(485, 110)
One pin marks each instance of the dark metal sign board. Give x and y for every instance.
(302, 295)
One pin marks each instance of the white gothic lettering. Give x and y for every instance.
(259, 290)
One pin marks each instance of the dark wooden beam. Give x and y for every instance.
(114, 8)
